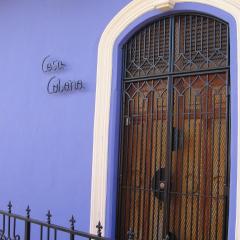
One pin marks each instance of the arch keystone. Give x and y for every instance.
(165, 5)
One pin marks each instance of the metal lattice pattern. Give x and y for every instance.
(145, 137)
(203, 43)
(174, 171)
(199, 43)
(198, 172)
(147, 53)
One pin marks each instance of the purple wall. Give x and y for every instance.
(115, 109)
(46, 140)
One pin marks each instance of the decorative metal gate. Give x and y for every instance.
(174, 164)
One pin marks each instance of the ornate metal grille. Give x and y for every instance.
(173, 172)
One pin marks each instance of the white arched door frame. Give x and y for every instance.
(134, 10)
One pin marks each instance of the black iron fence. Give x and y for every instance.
(17, 227)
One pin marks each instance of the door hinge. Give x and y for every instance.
(228, 91)
(226, 190)
(127, 121)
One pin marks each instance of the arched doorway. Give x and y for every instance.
(174, 165)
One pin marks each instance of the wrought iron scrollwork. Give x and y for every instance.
(200, 42)
(5, 237)
(47, 230)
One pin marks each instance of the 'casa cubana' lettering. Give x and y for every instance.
(52, 65)
(55, 85)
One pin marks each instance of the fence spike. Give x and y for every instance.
(167, 237)
(72, 222)
(49, 215)
(99, 228)
(130, 234)
(28, 210)
(9, 207)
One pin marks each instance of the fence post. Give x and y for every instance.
(49, 215)
(9, 219)
(130, 234)
(72, 226)
(99, 228)
(27, 235)
(167, 237)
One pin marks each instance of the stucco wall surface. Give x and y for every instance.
(46, 140)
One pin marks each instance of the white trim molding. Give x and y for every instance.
(130, 13)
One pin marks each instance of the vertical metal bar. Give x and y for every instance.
(126, 209)
(212, 144)
(121, 158)
(129, 185)
(199, 162)
(153, 37)
(182, 161)
(41, 232)
(55, 235)
(121, 155)
(164, 36)
(14, 228)
(72, 227)
(158, 39)
(219, 160)
(201, 34)
(136, 161)
(196, 28)
(124, 60)
(141, 165)
(228, 49)
(149, 42)
(145, 167)
(193, 167)
(139, 51)
(190, 36)
(151, 96)
(184, 32)
(9, 227)
(161, 156)
(176, 190)
(129, 46)
(144, 44)
(179, 33)
(155, 161)
(220, 34)
(205, 159)
(227, 156)
(3, 225)
(169, 130)
(48, 233)
(168, 163)
(214, 34)
(207, 45)
(188, 159)
(27, 234)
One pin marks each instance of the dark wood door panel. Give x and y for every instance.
(174, 161)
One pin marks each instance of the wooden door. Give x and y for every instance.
(173, 171)
(198, 164)
(145, 138)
